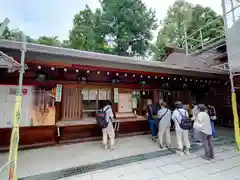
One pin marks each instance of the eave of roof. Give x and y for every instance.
(100, 57)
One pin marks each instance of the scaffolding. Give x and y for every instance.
(12, 65)
(213, 48)
(225, 44)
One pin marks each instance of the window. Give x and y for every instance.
(93, 100)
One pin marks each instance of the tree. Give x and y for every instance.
(6, 33)
(51, 41)
(65, 43)
(183, 16)
(86, 33)
(15, 34)
(129, 24)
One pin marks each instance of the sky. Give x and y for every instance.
(54, 17)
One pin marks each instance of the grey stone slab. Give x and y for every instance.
(194, 163)
(172, 168)
(177, 176)
(194, 173)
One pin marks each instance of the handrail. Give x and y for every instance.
(215, 19)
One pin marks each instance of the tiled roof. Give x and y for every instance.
(176, 62)
(190, 62)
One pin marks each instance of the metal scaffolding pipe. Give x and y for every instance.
(221, 16)
(206, 48)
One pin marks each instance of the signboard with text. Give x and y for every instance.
(58, 96)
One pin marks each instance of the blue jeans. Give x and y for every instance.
(153, 127)
(213, 129)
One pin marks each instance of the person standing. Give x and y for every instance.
(179, 114)
(164, 125)
(212, 113)
(109, 130)
(151, 110)
(196, 133)
(203, 125)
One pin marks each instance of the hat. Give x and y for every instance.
(202, 107)
(178, 104)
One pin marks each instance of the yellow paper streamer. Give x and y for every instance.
(236, 120)
(13, 152)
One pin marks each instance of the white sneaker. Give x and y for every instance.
(180, 152)
(112, 148)
(105, 147)
(187, 152)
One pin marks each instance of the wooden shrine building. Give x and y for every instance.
(64, 88)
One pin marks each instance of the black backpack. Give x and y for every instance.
(185, 123)
(211, 112)
(152, 110)
(102, 119)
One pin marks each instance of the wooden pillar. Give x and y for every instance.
(57, 111)
(155, 96)
(114, 105)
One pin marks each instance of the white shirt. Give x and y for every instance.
(109, 118)
(203, 124)
(177, 117)
(165, 115)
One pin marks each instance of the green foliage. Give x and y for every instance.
(6, 33)
(121, 27)
(183, 16)
(14, 34)
(129, 24)
(51, 41)
(86, 32)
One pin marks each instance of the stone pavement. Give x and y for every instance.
(43, 160)
(226, 166)
(53, 159)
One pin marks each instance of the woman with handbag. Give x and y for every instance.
(164, 124)
(212, 113)
(203, 125)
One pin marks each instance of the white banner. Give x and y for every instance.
(58, 96)
(115, 95)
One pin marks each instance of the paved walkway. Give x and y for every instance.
(43, 160)
(175, 167)
(52, 159)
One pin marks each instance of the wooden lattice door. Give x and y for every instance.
(72, 103)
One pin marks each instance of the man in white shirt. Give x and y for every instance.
(109, 130)
(182, 135)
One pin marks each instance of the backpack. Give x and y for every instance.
(211, 112)
(185, 123)
(152, 110)
(102, 119)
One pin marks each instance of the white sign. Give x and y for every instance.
(115, 95)
(102, 94)
(85, 93)
(134, 102)
(58, 96)
(93, 94)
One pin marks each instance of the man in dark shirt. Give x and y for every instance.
(151, 109)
